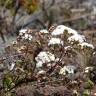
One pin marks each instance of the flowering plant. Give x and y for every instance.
(54, 56)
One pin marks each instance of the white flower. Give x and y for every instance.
(76, 38)
(87, 69)
(30, 37)
(67, 47)
(22, 31)
(39, 64)
(12, 66)
(75, 92)
(85, 44)
(60, 30)
(67, 69)
(53, 41)
(44, 31)
(26, 36)
(71, 31)
(44, 57)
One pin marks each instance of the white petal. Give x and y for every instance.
(69, 69)
(66, 47)
(39, 64)
(85, 44)
(26, 36)
(77, 37)
(23, 30)
(30, 37)
(61, 29)
(44, 57)
(53, 41)
(44, 31)
(12, 66)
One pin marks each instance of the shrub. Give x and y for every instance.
(58, 56)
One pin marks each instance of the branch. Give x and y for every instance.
(16, 8)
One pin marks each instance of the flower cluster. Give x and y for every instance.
(50, 55)
(61, 29)
(85, 44)
(44, 31)
(25, 34)
(44, 57)
(67, 47)
(76, 38)
(54, 41)
(68, 69)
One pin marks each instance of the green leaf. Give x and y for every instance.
(7, 81)
(86, 93)
(19, 62)
(90, 84)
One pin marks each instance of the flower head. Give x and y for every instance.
(53, 41)
(85, 44)
(67, 69)
(44, 57)
(61, 29)
(24, 33)
(44, 31)
(67, 47)
(76, 38)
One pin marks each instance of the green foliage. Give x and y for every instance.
(90, 84)
(29, 5)
(7, 81)
(7, 3)
(19, 62)
(29, 53)
(86, 93)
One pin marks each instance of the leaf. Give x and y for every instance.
(90, 84)
(30, 5)
(7, 82)
(86, 93)
(19, 62)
